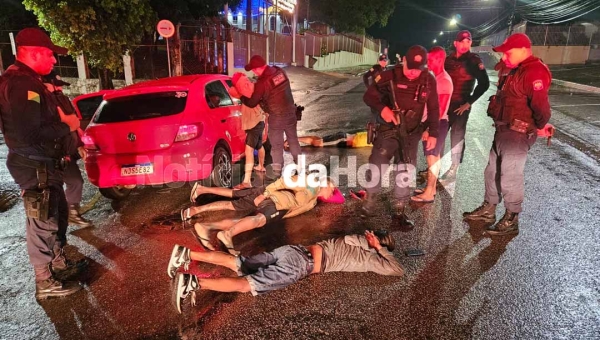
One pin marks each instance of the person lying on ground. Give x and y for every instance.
(269, 203)
(339, 139)
(253, 122)
(264, 272)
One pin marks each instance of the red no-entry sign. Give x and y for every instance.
(165, 28)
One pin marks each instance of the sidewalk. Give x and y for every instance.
(307, 83)
(579, 77)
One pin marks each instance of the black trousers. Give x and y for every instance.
(458, 129)
(42, 237)
(73, 183)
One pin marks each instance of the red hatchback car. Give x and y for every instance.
(175, 129)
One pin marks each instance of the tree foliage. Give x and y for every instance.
(352, 15)
(100, 29)
(181, 10)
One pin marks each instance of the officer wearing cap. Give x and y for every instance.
(464, 68)
(35, 130)
(273, 92)
(519, 108)
(399, 97)
(75, 150)
(375, 70)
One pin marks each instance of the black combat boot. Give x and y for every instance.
(450, 175)
(62, 268)
(486, 212)
(368, 206)
(508, 225)
(47, 286)
(399, 216)
(76, 218)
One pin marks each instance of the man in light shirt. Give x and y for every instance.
(435, 62)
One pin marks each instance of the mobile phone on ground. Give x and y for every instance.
(414, 252)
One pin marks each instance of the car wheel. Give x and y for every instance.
(222, 173)
(115, 193)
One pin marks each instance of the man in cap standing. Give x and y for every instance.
(519, 108)
(273, 92)
(35, 131)
(400, 96)
(464, 68)
(375, 70)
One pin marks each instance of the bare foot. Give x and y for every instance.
(203, 236)
(197, 190)
(227, 242)
(260, 168)
(423, 198)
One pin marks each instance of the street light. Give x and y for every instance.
(441, 32)
(453, 22)
(434, 41)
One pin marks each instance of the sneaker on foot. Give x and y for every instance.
(180, 256)
(185, 285)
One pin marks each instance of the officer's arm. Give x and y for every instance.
(537, 84)
(483, 81)
(433, 108)
(259, 91)
(25, 102)
(366, 77)
(375, 93)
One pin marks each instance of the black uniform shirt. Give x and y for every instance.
(377, 96)
(464, 70)
(372, 73)
(28, 120)
(277, 94)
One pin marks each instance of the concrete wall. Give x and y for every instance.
(560, 55)
(594, 54)
(83, 86)
(344, 59)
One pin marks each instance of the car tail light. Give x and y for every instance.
(187, 132)
(88, 142)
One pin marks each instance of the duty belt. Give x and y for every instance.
(36, 161)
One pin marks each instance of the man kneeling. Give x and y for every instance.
(285, 265)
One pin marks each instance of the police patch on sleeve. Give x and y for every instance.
(33, 96)
(481, 66)
(377, 78)
(538, 85)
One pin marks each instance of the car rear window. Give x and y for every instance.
(143, 106)
(88, 106)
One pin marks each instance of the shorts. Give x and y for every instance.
(441, 140)
(254, 136)
(276, 269)
(244, 202)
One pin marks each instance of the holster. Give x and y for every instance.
(37, 201)
(494, 107)
(371, 132)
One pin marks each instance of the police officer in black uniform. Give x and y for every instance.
(370, 75)
(519, 108)
(273, 92)
(35, 131)
(400, 96)
(464, 68)
(75, 150)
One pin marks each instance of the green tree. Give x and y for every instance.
(180, 10)
(351, 15)
(103, 30)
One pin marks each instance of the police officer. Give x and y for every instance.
(272, 90)
(75, 150)
(34, 130)
(375, 70)
(464, 68)
(519, 108)
(399, 96)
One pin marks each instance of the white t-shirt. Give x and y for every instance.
(444, 86)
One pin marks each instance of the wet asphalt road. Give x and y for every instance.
(541, 284)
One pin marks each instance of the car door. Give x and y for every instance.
(226, 115)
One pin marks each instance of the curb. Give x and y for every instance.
(576, 86)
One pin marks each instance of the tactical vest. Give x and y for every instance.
(278, 99)
(53, 149)
(462, 80)
(410, 95)
(513, 98)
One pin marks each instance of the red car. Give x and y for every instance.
(175, 129)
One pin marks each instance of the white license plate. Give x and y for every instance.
(137, 169)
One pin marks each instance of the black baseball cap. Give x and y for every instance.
(517, 40)
(54, 79)
(462, 35)
(255, 62)
(36, 37)
(382, 57)
(416, 57)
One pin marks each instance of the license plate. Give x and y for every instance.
(137, 169)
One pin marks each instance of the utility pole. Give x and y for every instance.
(511, 19)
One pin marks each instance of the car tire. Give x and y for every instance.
(222, 172)
(115, 193)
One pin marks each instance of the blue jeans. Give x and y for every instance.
(276, 269)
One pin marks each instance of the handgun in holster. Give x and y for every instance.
(37, 201)
(371, 132)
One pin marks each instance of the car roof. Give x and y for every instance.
(179, 83)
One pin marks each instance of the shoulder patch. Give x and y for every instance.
(378, 78)
(538, 85)
(481, 66)
(33, 96)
